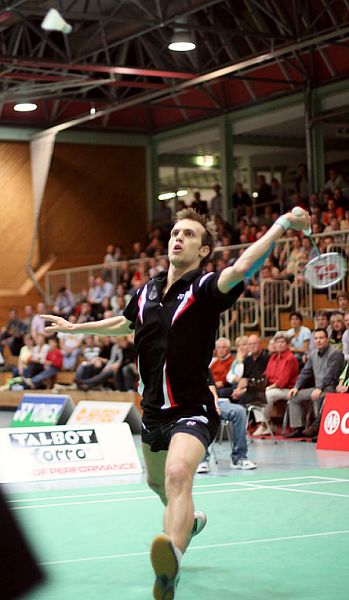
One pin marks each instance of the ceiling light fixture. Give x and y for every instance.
(182, 41)
(25, 107)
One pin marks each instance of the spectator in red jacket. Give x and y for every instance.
(52, 364)
(281, 373)
(221, 363)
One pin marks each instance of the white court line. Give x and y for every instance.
(247, 486)
(146, 490)
(196, 548)
(289, 489)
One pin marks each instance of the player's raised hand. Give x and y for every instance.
(299, 219)
(58, 324)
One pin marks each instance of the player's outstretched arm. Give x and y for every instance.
(253, 257)
(114, 326)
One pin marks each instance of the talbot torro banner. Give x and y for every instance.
(30, 454)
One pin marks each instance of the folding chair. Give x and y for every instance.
(258, 407)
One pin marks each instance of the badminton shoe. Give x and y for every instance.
(166, 567)
(243, 463)
(200, 521)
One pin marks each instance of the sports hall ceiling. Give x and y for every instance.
(116, 58)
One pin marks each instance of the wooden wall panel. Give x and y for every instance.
(95, 195)
(16, 216)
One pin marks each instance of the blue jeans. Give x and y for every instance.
(37, 380)
(236, 415)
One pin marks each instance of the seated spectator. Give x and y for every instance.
(322, 321)
(221, 363)
(324, 366)
(300, 337)
(64, 303)
(108, 371)
(12, 334)
(38, 323)
(345, 338)
(337, 330)
(70, 346)
(343, 383)
(250, 388)
(52, 364)
(85, 315)
(332, 211)
(345, 221)
(40, 350)
(25, 357)
(236, 415)
(237, 367)
(127, 375)
(281, 373)
(342, 302)
(290, 262)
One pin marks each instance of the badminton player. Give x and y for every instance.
(175, 317)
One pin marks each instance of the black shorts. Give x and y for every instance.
(158, 432)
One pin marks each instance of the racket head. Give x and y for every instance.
(325, 270)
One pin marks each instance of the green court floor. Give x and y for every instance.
(279, 535)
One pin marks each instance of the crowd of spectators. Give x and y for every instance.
(112, 362)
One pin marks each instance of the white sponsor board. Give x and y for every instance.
(66, 452)
(93, 413)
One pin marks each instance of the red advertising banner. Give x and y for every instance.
(334, 428)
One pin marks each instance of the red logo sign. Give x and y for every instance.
(334, 428)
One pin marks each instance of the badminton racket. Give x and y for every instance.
(325, 269)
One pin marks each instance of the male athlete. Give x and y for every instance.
(175, 317)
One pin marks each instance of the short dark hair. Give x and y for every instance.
(296, 314)
(321, 329)
(208, 236)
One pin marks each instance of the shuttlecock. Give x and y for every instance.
(54, 22)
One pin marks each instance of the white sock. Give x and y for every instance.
(178, 553)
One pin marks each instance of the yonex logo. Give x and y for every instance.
(180, 296)
(191, 423)
(332, 422)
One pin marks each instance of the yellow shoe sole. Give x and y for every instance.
(166, 568)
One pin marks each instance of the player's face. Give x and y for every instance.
(185, 246)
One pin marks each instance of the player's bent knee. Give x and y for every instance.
(178, 474)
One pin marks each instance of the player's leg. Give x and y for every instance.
(185, 453)
(155, 466)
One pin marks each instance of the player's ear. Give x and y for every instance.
(204, 251)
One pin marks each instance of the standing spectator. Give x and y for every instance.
(278, 195)
(162, 215)
(302, 184)
(240, 200)
(199, 205)
(281, 373)
(216, 207)
(324, 366)
(264, 191)
(95, 294)
(335, 180)
(28, 316)
(107, 261)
